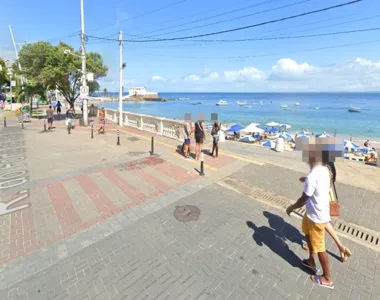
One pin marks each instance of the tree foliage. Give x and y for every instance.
(4, 79)
(50, 67)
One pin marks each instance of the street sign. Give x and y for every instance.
(84, 91)
(90, 77)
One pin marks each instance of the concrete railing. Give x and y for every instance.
(161, 126)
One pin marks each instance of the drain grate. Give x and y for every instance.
(133, 139)
(245, 187)
(187, 213)
(353, 232)
(364, 235)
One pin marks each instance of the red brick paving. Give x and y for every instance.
(67, 216)
(23, 235)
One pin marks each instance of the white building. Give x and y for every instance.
(140, 91)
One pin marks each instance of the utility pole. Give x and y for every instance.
(84, 88)
(121, 80)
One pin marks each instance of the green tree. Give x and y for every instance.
(49, 66)
(4, 79)
(105, 92)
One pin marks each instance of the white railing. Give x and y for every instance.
(161, 126)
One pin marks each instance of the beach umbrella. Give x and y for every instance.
(252, 128)
(248, 139)
(322, 135)
(236, 127)
(286, 126)
(273, 130)
(269, 144)
(303, 133)
(286, 136)
(272, 124)
(350, 146)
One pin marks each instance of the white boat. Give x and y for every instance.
(222, 102)
(284, 106)
(354, 109)
(241, 103)
(316, 108)
(297, 104)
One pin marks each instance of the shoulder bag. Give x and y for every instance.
(334, 202)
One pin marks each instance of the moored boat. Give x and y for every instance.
(222, 102)
(354, 109)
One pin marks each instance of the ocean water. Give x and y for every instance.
(332, 115)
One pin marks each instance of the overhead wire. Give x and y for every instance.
(212, 17)
(264, 55)
(240, 28)
(235, 18)
(138, 16)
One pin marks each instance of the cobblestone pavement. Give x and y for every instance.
(358, 205)
(95, 221)
(238, 249)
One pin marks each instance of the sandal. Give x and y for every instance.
(318, 280)
(305, 263)
(346, 254)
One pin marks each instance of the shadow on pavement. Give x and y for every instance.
(275, 236)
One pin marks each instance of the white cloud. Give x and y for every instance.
(192, 78)
(158, 78)
(245, 74)
(212, 76)
(288, 69)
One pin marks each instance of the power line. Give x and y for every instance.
(265, 55)
(295, 36)
(240, 28)
(138, 16)
(236, 18)
(214, 16)
(191, 16)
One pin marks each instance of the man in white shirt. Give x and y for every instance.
(316, 197)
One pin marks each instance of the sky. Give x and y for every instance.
(341, 62)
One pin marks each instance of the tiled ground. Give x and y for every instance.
(64, 207)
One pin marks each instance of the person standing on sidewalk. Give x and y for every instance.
(50, 117)
(102, 120)
(187, 131)
(317, 199)
(59, 105)
(200, 135)
(70, 118)
(215, 139)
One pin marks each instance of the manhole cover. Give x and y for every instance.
(133, 139)
(187, 213)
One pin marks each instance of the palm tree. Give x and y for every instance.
(105, 92)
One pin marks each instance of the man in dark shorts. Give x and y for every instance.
(50, 117)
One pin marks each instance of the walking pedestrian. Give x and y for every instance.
(215, 139)
(50, 117)
(70, 118)
(187, 131)
(345, 253)
(200, 135)
(102, 120)
(317, 200)
(59, 106)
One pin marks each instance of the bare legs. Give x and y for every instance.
(344, 251)
(215, 148)
(323, 259)
(198, 150)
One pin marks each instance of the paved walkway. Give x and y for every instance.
(84, 218)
